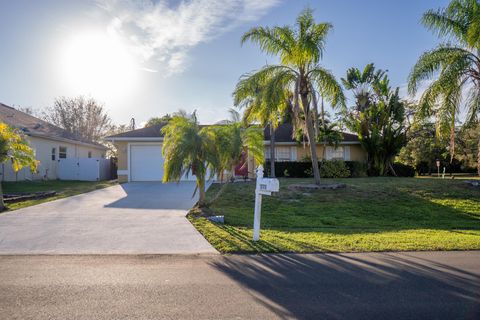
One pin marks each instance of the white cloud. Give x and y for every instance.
(163, 33)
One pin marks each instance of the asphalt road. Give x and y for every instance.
(432, 285)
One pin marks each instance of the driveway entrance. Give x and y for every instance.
(133, 218)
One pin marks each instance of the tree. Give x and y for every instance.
(300, 50)
(378, 117)
(83, 117)
(468, 148)
(454, 68)
(265, 108)
(14, 148)
(157, 120)
(423, 148)
(189, 149)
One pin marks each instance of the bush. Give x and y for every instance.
(301, 169)
(403, 170)
(334, 169)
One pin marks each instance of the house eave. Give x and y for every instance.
(139, 139)
(267, 142)
(44, 136)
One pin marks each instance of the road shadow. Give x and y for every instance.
(354, 286)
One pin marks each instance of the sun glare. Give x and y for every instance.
(97, 64)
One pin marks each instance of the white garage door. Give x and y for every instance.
(146, 162)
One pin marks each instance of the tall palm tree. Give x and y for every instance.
(300, 49)
(262, 107)
(14, 148)
(454, 68)
(188, 149)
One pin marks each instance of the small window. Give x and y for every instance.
(335, 154)
(54, 153)
(282, 154)
(62, 152)
(89, 154)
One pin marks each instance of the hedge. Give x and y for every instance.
(330, 169)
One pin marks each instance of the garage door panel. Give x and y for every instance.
(146, 162)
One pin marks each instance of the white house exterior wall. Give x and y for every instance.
(43, 152)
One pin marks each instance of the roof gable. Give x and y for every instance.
(31, 125)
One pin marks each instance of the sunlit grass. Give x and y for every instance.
(371, 214)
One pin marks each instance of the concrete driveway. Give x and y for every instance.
(133, 218)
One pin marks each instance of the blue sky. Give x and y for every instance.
(146, 59)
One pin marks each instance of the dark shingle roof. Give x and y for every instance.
(148, 132)
(284, 133)
(31, 125)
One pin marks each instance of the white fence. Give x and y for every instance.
(84, 169)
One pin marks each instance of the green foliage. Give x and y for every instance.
(158, 120)
(378, 117)
(334, 169)
(298, 79)
(454, 68)
(422, 148)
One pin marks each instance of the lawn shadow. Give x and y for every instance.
(355, 286)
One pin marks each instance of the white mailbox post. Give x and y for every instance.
(265, 186)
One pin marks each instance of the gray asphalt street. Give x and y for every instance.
(430, 285)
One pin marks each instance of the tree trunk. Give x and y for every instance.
(2, 204)
(478, 157)
(312, 141)
(272, 151)
(201, 191)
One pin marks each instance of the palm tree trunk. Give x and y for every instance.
(311, 139)
(2, 204)
(201, 191)
(478, 157)
(272, 151)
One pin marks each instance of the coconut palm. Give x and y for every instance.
(188, 149)
(453, 66)
(300, 50)
(15, 149)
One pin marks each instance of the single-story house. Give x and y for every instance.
(140, 157)
(50, 144)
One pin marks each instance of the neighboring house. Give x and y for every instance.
(50, 144)
(140, 157)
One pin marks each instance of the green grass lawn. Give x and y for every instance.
(371, 214)
(63, 188)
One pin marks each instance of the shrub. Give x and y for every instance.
(300, 169)
(403, 170)
(334, 169)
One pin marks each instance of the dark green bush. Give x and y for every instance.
(403, 170)
(301, 169)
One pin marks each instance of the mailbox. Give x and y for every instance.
(268, 185)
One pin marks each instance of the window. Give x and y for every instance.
(89, 154)
(54, 153)
(282, 153)
(62, 152)
(335, 154)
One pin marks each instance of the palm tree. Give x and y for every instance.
(454, 68)
(300, 50)
(263, 108)
(14, 148)
(188, 149)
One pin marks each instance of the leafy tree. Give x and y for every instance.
(468, 148)
(84, 117)
(378, 117)
(15, 149)
(189, 149)
(158, 120)
(300, 50)
(453, 66)
(423, 148)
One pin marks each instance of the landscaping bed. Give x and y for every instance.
(24, 196)
(370, 214)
